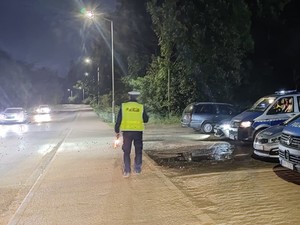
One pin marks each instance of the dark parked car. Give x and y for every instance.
(202, 116)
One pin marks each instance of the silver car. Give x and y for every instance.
(203, 116)
(14, 115)
(266, 142)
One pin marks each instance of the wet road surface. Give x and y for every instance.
(220, 178)
(237, 189)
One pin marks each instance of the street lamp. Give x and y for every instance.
(82, 92)
(89, 61)
(71, 93)
(90, 15)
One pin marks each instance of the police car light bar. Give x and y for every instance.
(282, 92)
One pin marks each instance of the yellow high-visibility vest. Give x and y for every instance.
(132, 117)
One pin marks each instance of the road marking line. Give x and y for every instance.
(22, 207)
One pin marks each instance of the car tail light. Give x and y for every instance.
(189, 117)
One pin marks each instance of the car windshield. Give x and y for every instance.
(13, 110)
(262, 104)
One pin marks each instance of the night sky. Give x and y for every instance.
(46, 33)
(49, 33)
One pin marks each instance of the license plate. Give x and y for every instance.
(287, 164)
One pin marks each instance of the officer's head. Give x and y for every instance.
(133, 95)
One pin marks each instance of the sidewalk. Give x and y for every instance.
(83, 184)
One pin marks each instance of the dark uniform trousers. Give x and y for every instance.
(137, 138)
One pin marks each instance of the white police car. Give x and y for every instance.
(268, 111)
(289, 146)
(266, 142)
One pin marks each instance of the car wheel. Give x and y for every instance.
(207, 127)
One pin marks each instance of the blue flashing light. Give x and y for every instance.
(283, 92)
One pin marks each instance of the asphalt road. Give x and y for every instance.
(26, 149)
(220, 178)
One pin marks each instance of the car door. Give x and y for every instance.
(225, 112)
(208, 112)
(282, 109)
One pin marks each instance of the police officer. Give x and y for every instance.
(130, 121)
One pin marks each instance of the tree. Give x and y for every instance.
(202, 48)
(21, 84)
(135, 42)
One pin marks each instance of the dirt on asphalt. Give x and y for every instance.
(185, 151)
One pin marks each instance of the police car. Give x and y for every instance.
(266, 142)
(268, 111)
(289, 146)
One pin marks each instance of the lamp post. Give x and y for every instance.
(91, 15)
(71, 93)
(89, 61)
(98, 83)
(82, 92)
(112, 70)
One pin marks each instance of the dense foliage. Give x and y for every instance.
(202, 45)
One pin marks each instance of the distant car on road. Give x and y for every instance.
(14, 115)
(266, 142)
(43, 109)
(202, 116)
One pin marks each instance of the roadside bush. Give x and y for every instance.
(158, 119)
(105, 114)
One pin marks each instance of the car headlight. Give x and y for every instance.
(19, 117)
(47, 110)
(246, 124)
(261, 140)
(225, 126)
(274, 140)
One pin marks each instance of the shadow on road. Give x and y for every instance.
(287, 175)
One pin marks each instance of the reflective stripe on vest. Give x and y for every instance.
(132, 117)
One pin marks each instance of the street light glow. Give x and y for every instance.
(71, 93)
(88, 60)
(91, 16)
